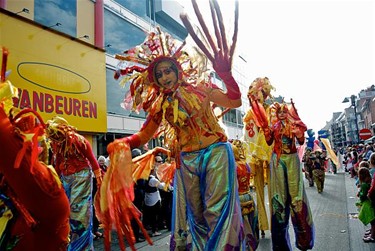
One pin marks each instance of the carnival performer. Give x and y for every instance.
(75, 162)
(259, 152)
(319, 173)
(308, 167)
(287, 186)
(176, 94)
(248, 205)
(34, 207)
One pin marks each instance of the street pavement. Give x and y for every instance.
(337, 227)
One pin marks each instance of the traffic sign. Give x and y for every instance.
(365, 134)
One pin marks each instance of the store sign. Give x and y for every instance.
(56, 74)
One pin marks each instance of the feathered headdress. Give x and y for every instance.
(59, 130)
(291, 110)
(260, 89)
(7, 90)
(138, 63)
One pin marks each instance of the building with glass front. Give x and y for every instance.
(62, 60)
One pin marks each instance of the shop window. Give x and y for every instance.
(59, 15)
(138, 7)
(115, 97)
(120, 34)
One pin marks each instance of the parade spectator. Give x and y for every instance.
(95, 222)
(287, 187)
(372, 164)
(365, 164)
(332, 166)
(145, 148)
(370, 233)
(139, 196)
(166, 201)
(348, 159)
(177, 99)
(355, 162)
(369, 150)
(152, 202)
(74, 162)
(367, 213)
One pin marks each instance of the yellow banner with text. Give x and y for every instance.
(55, 74)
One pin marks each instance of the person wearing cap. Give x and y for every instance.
(75, 162)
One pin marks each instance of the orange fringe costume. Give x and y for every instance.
(258, 151)
(180, 114)
(31, 194)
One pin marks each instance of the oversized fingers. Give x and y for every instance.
(220, 50)
(190, 29)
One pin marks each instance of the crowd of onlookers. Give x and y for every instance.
(359, 162)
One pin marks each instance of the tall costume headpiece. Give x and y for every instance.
(59, 131)
(138, 65)
(260, 89)
(292, 113)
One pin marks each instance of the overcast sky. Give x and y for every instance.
(316, 52)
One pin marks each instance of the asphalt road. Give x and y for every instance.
(337, 227)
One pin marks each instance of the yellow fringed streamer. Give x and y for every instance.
(191, 99)
(165, 105)
(182, 117)
(7, 215)
(7, 92)
(54, 174)
(175, 110)
(118, 176)
(331, 153)
(157, 105)
(131, 77)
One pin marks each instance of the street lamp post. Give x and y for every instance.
(353, 104)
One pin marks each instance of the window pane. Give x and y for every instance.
(115, 97)
(115, 94)
(49, 13)
(138, 7)
(120, 34)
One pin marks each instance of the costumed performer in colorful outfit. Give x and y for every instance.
(248, 205)
(318, 171)
(75, 162)
(34, 207)
(176, 94)
(259, 152)
(308, 166)
(288, 195)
